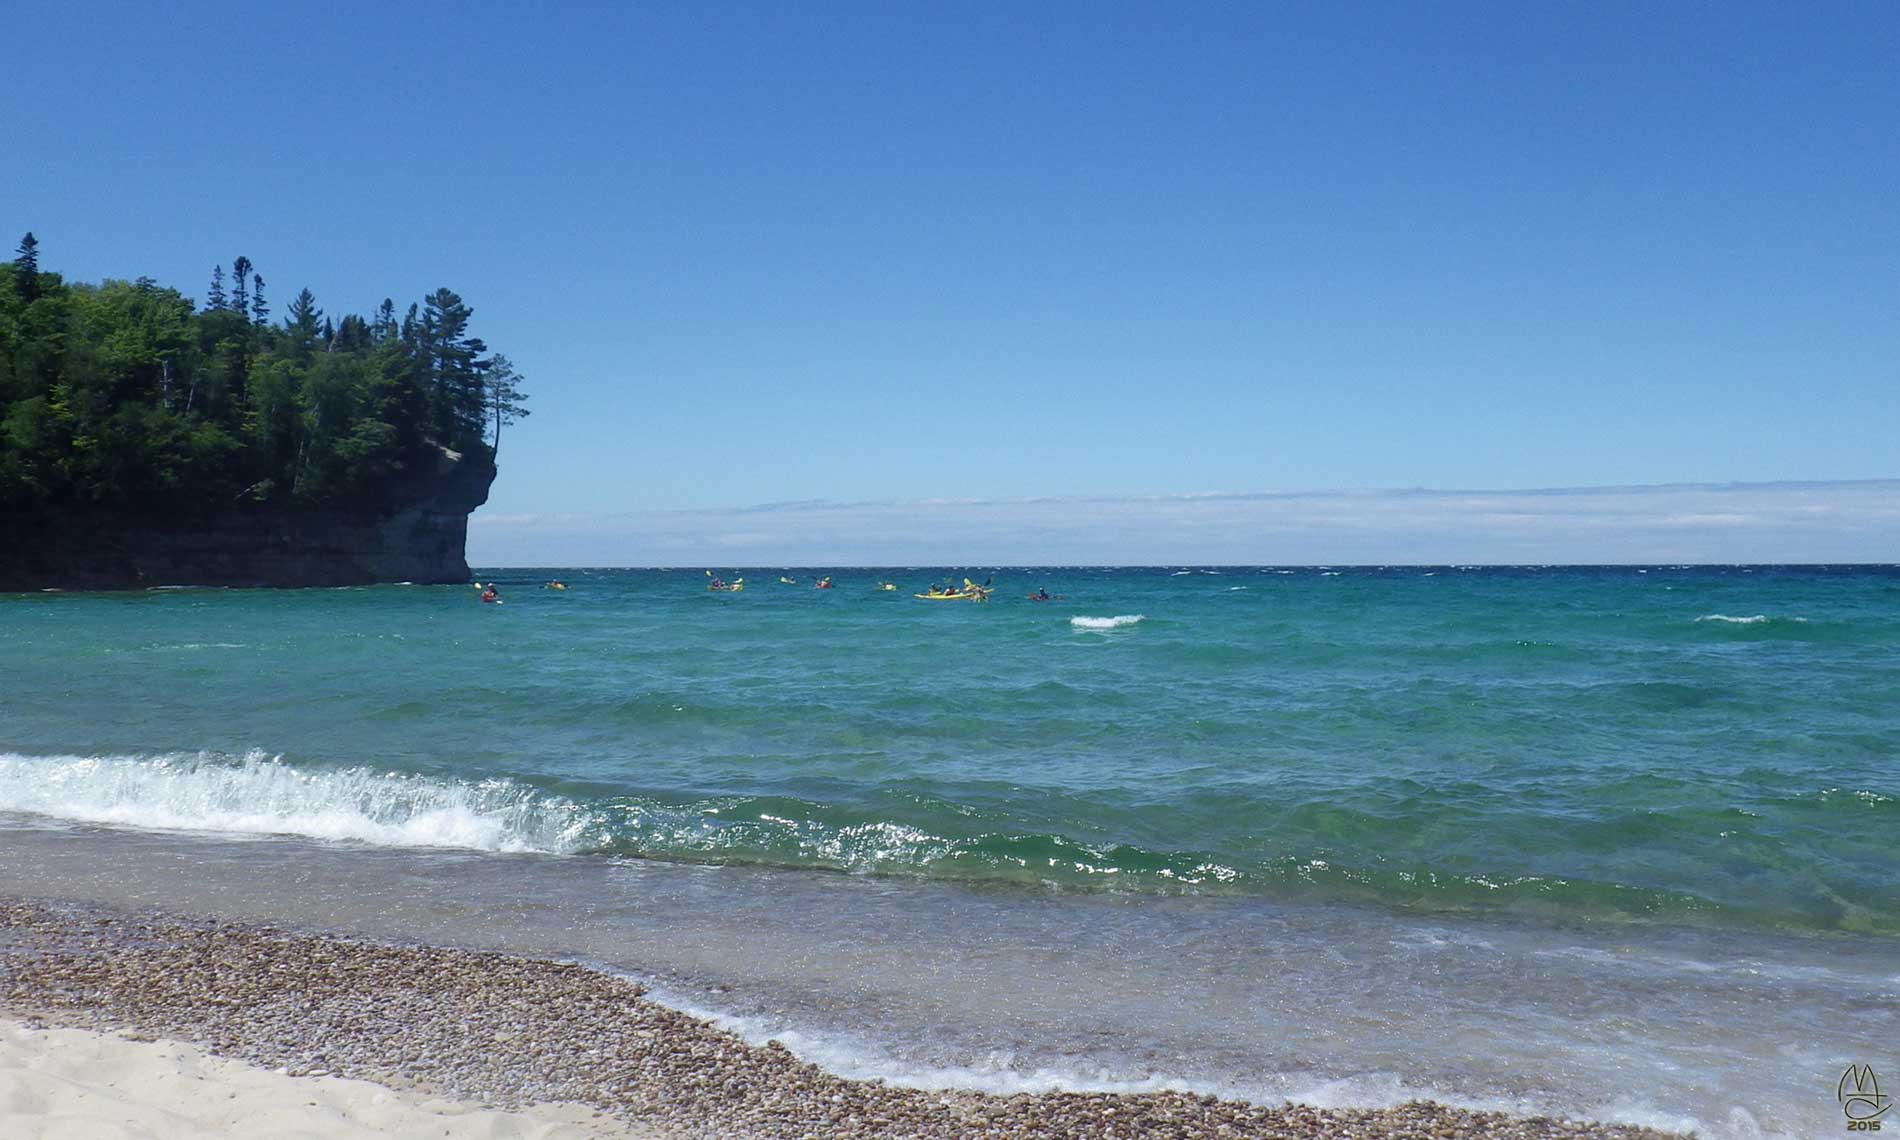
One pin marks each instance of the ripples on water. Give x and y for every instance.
(1306, 836)
(1709, 745)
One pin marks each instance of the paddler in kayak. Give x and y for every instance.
(822, 583)
(489, 595)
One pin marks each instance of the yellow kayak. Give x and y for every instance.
(971, 592)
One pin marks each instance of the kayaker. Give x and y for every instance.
(489, 595)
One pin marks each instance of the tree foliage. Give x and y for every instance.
(124, 396)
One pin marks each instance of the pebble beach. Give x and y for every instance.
(504, 1033)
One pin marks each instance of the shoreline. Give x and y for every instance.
(509, 1033)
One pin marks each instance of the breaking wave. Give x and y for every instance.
(261, 795)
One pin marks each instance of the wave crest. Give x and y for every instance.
(259, 794)
(1115, 622)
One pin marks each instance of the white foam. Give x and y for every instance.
(1002, 1073)
(1754, 619)
(261, 795)
(1116, 622)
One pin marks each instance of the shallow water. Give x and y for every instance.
(1616, 841)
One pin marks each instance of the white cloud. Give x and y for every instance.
(1748, 522)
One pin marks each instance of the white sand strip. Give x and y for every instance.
(72, 1084)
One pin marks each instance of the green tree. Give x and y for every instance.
(351, 335)
(240, 273)
(455, 369)
(384, 327)
(303, 320)
(121, 396)
(506, 401)
(26, 268)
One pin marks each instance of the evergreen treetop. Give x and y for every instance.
(121, 396)
(26, 268)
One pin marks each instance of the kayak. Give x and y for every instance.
(730, 588)
(887, 585)
(971, 592)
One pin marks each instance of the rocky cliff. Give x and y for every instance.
(421, 537)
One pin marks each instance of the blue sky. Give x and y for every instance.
(882, 253)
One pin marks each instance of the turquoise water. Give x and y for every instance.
(1685, 746)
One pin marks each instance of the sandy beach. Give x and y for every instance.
(79, 1084)
(144, 1025)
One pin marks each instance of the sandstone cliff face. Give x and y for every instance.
(423, 539)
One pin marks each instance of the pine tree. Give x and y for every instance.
(455, 369)
(303, 316)
(303, 322)
(215, 299)
(506, 400)
(259, 310)
(26, 276)
(240, 271)
(385, 327)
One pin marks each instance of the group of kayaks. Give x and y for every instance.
(968, 592)
(492, 596)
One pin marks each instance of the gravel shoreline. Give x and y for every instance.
(512, 1032)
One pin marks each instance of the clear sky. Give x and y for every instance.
(757, 253)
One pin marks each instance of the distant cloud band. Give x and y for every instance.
(1743, 522)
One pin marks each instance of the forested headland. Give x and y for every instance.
(128, 399)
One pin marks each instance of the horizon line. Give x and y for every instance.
(688, 567)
